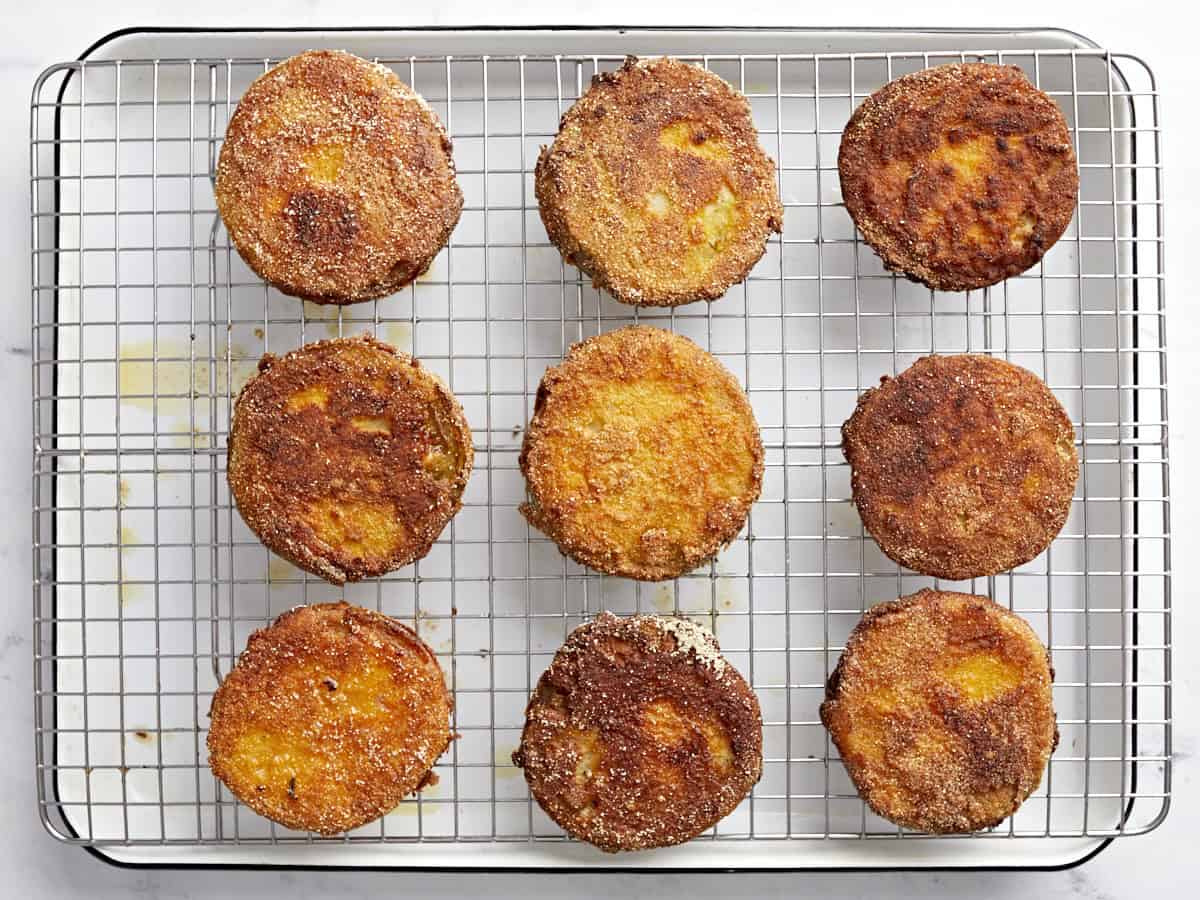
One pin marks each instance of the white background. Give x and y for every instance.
(35, 34)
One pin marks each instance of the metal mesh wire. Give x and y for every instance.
(146, 323)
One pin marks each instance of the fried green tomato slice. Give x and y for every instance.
(335, 180)
(640, 734)
(942, 711)
(642, 457)
(959, 176)
(332, 715)
(347, 457)
(656, 185)
(961, 466)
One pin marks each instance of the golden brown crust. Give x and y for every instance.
(959, 176)
(332, 715)
(642, 457)
(335, 180)
(347, 458)
(961, 466)
(942, 710)
(640, 734)
(656, 185)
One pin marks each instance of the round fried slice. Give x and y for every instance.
(961, 466)
(656, 185)
(642, 457)
(335, 180)
(959, 176)
(347, 458)
(942, 711)
(640, 734)
(331, 716)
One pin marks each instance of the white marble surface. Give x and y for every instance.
(1161, 864)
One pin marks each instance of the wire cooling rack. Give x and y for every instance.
(146, 323)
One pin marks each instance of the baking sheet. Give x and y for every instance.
(151, 583)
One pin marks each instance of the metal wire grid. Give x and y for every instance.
(145, 323)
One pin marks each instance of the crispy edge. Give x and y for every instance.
(585, 363)
(582, 690)
(858, 165)
(879, 473)
(554, 184)
(933, 821)
(273, 527)
(240, 695)
(240, 175)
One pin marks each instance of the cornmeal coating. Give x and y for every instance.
(335, 180)
(656, 185)
(961, 466)
(942, 711)
(347, 457)
(642, 458)
(640, 734)
(332, 715)
(959, 176)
